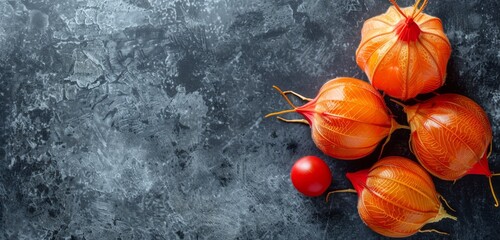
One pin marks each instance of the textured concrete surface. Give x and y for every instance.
(143, 119)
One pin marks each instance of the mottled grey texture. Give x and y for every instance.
(143, 119)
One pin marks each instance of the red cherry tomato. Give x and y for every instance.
(311, 176)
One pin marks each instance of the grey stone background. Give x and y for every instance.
(143, 119)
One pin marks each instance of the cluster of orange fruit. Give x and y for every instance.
(404, 52)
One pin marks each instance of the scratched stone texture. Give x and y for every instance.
(143, 119)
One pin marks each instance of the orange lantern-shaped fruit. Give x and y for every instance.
(450, 135)
(404, 52)
(396, 197)
(348, 118)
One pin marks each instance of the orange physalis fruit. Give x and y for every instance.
(348, 118)
(450, 135)
(396, 197)
(404, 52)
